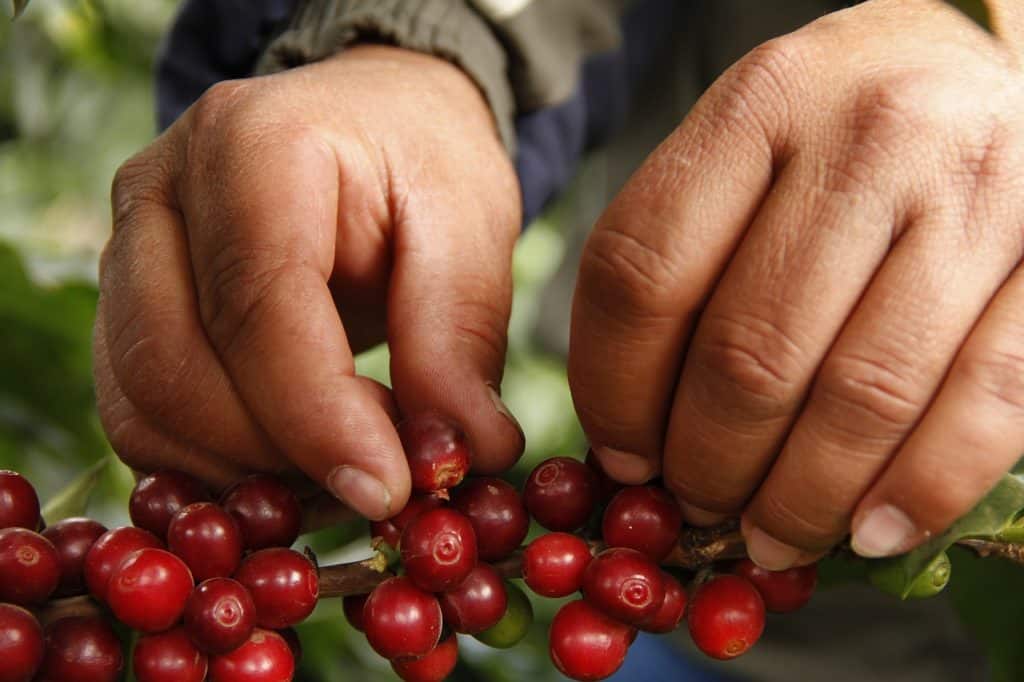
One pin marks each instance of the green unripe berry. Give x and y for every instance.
(514, 625)
(888, 576)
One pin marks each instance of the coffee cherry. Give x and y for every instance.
(168, 657)
(291, 638)
(149, 589)
(158, 497)
(514, 625)
(72, 538)
(29, 567)
(585, 644)
(782, 591)
(264, 657)
(82, 649)
(21, 644)
(625, 584)
(219, 615)
(435, 666)
(400, 620)
(390, 530)
(726, 616)
(19, 504)
(436, 450)
(672, 609)
(438, 549)
(477, 603)
(109, 551)
(353, 607)
(207, 539)
(606, 486)
(284, 586)
(553, 564)
(561, 493)
(267, 511)
(498, 515)
(644, 518)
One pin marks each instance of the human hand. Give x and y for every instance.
(285, 223)
(807, 306)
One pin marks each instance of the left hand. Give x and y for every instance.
(807, 307)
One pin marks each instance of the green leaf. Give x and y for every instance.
(74, 498)
(976, 10)
(19, 7)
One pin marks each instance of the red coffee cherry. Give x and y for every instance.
(219, 615)
(435, 666)
(81, 649)
(726, 616)
(168, 657)
(438, 549)
(606, 486)
(672, 610)
(390, 530)
(109, 551)
(267, 511)
(477, 603)
(158, 497)
(19, 504)
(585, 644)
(498, 515)
(436, 450)
(207, 539)
(353, 607)
(560, 493)
(400, 620)
(553, 564)
(625, 584)
(291, 638)
(21, 644)
(29, 567)
(265, 657)
(782, 591)
(149, 589)
(284, 586)
(73, 538)
(644, 518)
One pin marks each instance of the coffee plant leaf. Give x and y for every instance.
(73, 499)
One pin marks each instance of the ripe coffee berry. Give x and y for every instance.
(83, 649)
(353, 607)
(672, 609)
(436, 450)
(29, 567)
(586, 644)
(390, 530)
(475, 604)
(435, 666)
(264, 657)
(498, 515)
(149, 589)
(219, 615)
(644, 518)
(561, 493)
(21, 644)
(782, 591)
(284, 586)
(109, 551)
(267, 511)
(19, 504)
(726, 616)
(73, 538)
(168, 657)
(207, 539)
(438, 549)
(514, 625)
(158, 497)
(400, 620)
(625, 584)
(553, 564)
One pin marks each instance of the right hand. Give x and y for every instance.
(283, 224)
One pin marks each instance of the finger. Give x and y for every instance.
(262, 247)
(972, 435)
(800, 270)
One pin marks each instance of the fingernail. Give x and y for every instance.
(695, 516)
(883, 531)
(625, 467)
(361, 491)
(769, 553)
(503, 410)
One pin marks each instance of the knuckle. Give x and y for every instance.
(221, 101)
(482, 324)
(1000, 376)
(152, 369)
(762, 85)
(140, 181)
(809, 528)
(711, 493)
(867, 395)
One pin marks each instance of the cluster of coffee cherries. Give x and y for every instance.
(458, 541)
(210, 589)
